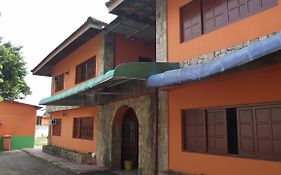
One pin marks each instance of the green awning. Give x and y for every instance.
(127, 71)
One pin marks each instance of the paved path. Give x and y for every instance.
(65, 164)
(20, 163)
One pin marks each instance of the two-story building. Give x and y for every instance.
(224, 103)
(100, 103)
(216, 112)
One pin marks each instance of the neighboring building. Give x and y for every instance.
(224, 104)
(18, 120)
(43, 119)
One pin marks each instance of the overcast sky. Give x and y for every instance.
(40, 26)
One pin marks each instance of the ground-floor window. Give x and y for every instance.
(252, 131)
(83, 128)
(56, 127)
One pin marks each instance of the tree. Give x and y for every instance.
(12, 73)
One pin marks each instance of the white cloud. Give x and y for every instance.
(40, 26)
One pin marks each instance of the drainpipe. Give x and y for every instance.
(156, 130)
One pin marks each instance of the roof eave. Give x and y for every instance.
(90, 23)
(112, 4)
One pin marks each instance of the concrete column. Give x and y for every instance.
(107, 45)
(161, 31)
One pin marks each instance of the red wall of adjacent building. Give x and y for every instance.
(128, 50)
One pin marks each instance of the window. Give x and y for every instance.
(86, 70)
(202, 16)
(56, 127)
(194, 130)
(59, 82)
(259, 132)
(83, 128)
(247, 131)
(191, 25)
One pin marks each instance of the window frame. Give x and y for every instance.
(59, 83)
(77, 131)
(82, 70)
(202, 12)
(56, 127)
(271, 157)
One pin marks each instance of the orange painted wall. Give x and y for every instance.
(17, 119)
(253, 87)
(248, 28)
(66, 140)
(83, 53)
(127, 50)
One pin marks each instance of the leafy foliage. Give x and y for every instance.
(12, 73)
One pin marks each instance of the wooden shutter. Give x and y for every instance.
(91, 68)
(76, 127)
(214, 15)
(217, 131)
(56, 129)
(59, 85)
(86, 128)
(194, 130)
(246, 134)
(80, 71)
(260, 132)
(276, 131)
(268, 132)
(191, 25)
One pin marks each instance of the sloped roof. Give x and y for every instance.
(88, 30)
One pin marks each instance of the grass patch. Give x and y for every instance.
(40, 141)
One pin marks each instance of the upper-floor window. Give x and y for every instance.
(202, 16)
(59, 82)
(86, 70)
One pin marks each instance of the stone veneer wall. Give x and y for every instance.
(161, 56)
(108, 150)
(72, 156)
(161, 31)
(216, 54)
(50, 108)
(107, 46)
(162, 131)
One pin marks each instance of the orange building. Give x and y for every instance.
(224, 103)
(100, 103)
(193, 88)
(18, 120)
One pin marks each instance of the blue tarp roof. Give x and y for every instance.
(250, 53)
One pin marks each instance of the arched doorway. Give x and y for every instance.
(130, 138)
(125, 138)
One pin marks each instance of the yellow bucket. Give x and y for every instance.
(128, 164)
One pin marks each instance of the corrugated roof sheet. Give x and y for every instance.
(124, 71)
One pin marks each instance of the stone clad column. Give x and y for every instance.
(161, 56)
(161, 31)
(107, 44)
